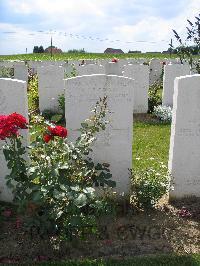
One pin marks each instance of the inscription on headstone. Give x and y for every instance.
(184, 156)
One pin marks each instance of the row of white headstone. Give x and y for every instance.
(114, 145)
(51, 84)
(51, 74)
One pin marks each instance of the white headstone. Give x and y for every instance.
(135, 61)
(184, 156)
(103, 62)
(170, 73)
(90, 69)
(21, 72)
(34, 65)
(155, 74)
(112, 68)
(114, 145)
(8, 64)
(50, 86)
(140, 74)
(13, 98)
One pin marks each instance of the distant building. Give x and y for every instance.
(55, 50)
(134, 52)
(113, 51)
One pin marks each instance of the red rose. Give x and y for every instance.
(55, 131)
(58, 131)
(17, 120)
(7, 129)
(114, 60)
(47, 138)
(10, 124)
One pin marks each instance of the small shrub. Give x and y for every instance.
(164, 113)
(149, 186)
(155, 97)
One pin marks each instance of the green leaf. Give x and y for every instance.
(108, 176)
(110, 183)
(81, 200)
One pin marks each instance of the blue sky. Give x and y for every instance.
(127, 24)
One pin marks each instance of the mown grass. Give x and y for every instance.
(150, 144)
(165, 260)
(67, 56)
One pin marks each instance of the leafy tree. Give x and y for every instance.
(38, 49)
(82, 51)
(190, 47)
(41, 49)
(35, 49)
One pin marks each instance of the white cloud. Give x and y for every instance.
(112, 19)
(156, 29)
(61, 7)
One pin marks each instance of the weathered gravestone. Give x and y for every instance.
(114, 145)
(140, 74)
(21, 72)
(13, 98)
(170, 73)
(50, 86)
(184, 155)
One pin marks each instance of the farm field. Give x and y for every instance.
(67, 56)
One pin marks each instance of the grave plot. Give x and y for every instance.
(114, 145)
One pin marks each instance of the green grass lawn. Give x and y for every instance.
(150, 144)
(165, 260)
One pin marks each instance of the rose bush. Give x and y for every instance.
(56, 187)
